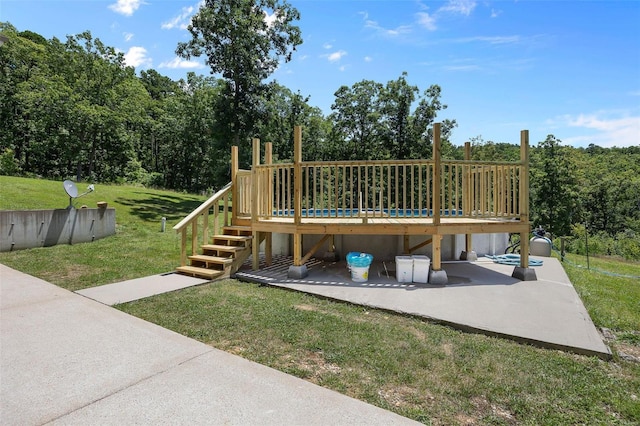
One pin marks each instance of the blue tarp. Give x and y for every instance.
(512, 259)
(358, 259)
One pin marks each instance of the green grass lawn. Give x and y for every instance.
(425, 371)
(138, 249)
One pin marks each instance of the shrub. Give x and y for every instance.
(9, 165)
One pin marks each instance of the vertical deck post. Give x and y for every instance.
(235, 166)
(437, 275)
(183, 247)
(468, 253)
(437, 166)
(267, 188)
(255, 190)
(297, 175)
(524, 272)
(298, 269)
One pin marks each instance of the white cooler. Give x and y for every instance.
(404, 269)
(421, 265)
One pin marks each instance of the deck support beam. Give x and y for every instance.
(468, 253)
(331, 255)
(524, 272)
(315, 248)
(436, 274)
(268, 239)
(298, 270)
(255, 243)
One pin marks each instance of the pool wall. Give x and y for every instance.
(387, 247)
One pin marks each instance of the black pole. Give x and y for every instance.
(586, 243)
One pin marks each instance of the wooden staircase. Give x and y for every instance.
(223, 256)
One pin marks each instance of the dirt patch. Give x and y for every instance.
(485, 408)
(403, 396)
(307, 308)
(632, 350)
(448, 349)
(315, 364)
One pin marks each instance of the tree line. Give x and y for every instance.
(73, 109)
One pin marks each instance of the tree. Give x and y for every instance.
(357, 129)
(371, 120)
(554, 189)
(280, 111)
(244, 41)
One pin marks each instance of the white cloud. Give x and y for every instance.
(336, 56)
(181, 21)
(427, 21)
(128, 36)
(463, 7)
(471, 67)
(495, 13)
(368, 59)
(618, 131)
(327, 46)
(137, 56)
(125, 7)
(181, 64)
(491, 40)
(269, 19)
(388, 32)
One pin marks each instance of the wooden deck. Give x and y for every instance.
(388, 226)
(365, 198)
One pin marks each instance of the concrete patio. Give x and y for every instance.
(481, 297)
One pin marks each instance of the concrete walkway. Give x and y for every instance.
(139, 288)
(66, 359)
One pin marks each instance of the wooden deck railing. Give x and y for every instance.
(202, 215)
(399, 189)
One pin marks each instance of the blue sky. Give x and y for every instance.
(567, 68)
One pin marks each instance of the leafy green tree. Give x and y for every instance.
(482, 150)
(610, 189)
(393, 121)
(357, 130)
(244, 41)
(554, 190)
(280, 111)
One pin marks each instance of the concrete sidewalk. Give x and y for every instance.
(140, 288)
(66, 359)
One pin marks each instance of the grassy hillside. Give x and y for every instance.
(138, 248)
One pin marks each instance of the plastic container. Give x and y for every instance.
(421, 265)
(404, 269)
(358, 259)
(358, 264)
(359, 274)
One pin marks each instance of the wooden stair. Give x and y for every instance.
(223, 256)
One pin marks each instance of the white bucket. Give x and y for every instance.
(359, 274)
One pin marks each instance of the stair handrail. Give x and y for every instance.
(192, 219)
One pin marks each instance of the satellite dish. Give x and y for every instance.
(72, 191)
(70, 188)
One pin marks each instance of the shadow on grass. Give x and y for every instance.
(153, 207)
